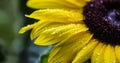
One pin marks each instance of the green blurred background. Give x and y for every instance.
(15, 48)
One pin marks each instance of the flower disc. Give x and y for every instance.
(103, 19)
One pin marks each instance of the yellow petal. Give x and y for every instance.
(85, 53)
(79, 3)
(109, 55)
(41, 26)
(58, 15)
(117, 52)
(56, 34)
(26, 28)
(74, 4)
(65, 52)
(98, 54)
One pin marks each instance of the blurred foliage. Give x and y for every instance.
(44, 58)
(10, 22)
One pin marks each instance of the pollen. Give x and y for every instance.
(103, 19)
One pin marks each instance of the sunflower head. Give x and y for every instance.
(79, 29)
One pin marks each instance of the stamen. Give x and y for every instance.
(103, 19)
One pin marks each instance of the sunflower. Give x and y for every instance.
(78, 29)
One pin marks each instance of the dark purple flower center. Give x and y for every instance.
(103, 19)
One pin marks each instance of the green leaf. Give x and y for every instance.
(44, 58)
